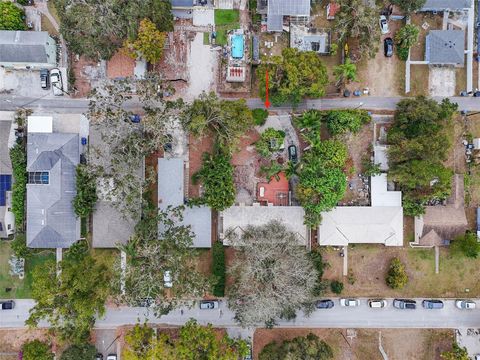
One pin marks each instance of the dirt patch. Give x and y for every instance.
(11, 340)
(419, 80)
(363, 344)
(85, 71)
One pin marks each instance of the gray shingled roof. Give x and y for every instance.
(26, 47)
(182, 3)
(52, 222)
(445, 47)
(171, 193)
(277, 9)
(5, 163)
(440, 5)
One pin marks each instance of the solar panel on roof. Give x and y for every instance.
(5, 185)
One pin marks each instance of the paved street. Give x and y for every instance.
(338, 317)
(61, 104)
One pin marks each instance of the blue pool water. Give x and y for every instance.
(237, 46)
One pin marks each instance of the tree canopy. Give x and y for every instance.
(457, 353)
(345, 73)
(293, 76)
(273, 275)
(359, 21)
(161, 243)
(342, 121)
(71, 300)
(405, 38)
(11, 17)
(420, 141)
(466, 245)
(79, 352)
(194, 342)
(98, 28)
(308, 347)
(36, 350)
(409, 6)
(148, 44)
(86, 186)
(397, 276)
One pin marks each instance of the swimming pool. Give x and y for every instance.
(237, 46)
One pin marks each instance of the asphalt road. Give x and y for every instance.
(337, 317)
(66, 105)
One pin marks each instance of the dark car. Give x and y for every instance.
(432, 304)
(405, 304)
(7, 305)
(44, 78)
(324, 304)
(388, 47)
(135, 118)
(99, 356)
(293, 154)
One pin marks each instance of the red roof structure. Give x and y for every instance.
(274, 192)
(332, 9)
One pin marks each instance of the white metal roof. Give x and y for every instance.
(380, 194)
(40, 124)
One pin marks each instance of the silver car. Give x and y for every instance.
(349, 302)
(56, 82)
(465, 304)
(208, 304)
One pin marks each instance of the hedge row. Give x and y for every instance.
(218, 254)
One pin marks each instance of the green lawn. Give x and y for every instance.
(21, 289)
(226, 17)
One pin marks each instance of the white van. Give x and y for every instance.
(377, 303)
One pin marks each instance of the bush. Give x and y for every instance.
(19, 187)
(270, 141)
(86, 197)
(341, 121)
(467, 245)
(402, 53)
(36, 350)
(301, 347)
(336, 287)
(259, 116)
(218, 255)
(79, 352)
(12, 17)
(396, 277)
(19, 246)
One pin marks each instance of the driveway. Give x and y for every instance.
(27, 83)
(106, 341)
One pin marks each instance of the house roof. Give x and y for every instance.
(277, 9)
(171, 192)
(380, 194)
(445, 47)
(5, 162)
(27, 47)
(182, 3)
(52, 222)
(359, 224)
(237, 218)
(439, 5)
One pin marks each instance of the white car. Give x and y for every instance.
(56, 82)
(384, 24)
(349, 302)
(112, 357)
(465, 304)
(377, 303)
(167, 279)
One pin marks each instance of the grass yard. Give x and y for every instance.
(21, 289)
(419, 80)
(225, 20)
(369, 264)
(48, 26)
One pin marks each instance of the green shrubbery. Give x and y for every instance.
(405, 38)
(271, 141)
(86, 197)
(336, 287)
(397, 276)
(36, 350)
(19, 187)
(259, 116)
(341, 121)
(218, 268)
(303, 347)
(466, 245)
(12, 17)
(79, 352)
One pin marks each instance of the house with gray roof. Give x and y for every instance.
(27, 50)
(171, 193)
(442, 5)
(445, 47)
(278, 9)
(7, 220)
(51, 164)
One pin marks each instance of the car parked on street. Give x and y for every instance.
(209, 304)
(384, 24)
(405, 304)
(377, 303)
(7, 305)
(324, 304)
(44, 78)
(432, 304)
(56, 81)
(388, 47)
(465, 304)
(349, 302)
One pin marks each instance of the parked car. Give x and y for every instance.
(44, 78)
(208, 304)
(293, 154)
(465, 304)
(99, 356)
(135, 118)
(7, 305)
(432, 304)
(167, 279)
(112, 357)
(377, 303)
(324, 304)
(383, 24)
(56, 81)
(350, 302)
(405, 304)
(388, 47)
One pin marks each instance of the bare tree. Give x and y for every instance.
(273, 275)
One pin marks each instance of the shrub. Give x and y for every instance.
(79, 352)
(341, 121)
(467, 245)
(36, 350)
(19, 246)
(259, 116)
(336, 287)
(19, 187)
(270, 141)
(12, 17)
(396, 277)
(218, 255)
(86, 197)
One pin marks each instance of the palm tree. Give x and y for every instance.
(345, 73)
